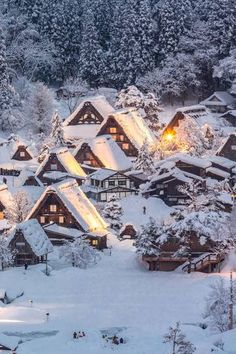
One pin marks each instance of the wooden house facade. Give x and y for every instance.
(104, 183)
(58, 165)
(22, 154)
(30, 242)
(64, 204)
(128, 130)
(219, 102)
(102, 152)
(228, 150)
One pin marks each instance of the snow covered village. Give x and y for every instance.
(117, 176)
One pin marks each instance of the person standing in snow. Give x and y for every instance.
(144, 210)
(26, 266)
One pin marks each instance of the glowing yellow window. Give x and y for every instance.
(1, 215)
(61, 219)
(113, 130)
(42, 220)
(53, 208)
(125, 146)
(94, 242)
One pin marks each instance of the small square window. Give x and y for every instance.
(42, 220)
(22, 153)
(111, 183)
(125, 146)
(233, 147)
(112, 130)
(53, 208)
(53, 166)
(94, 242)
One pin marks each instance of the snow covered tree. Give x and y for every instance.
(145, 160)
(7, 93)
(7, 256)
(225, 71)
(92, 58)
(112, 212)
(18, 208)
(39, 108)
(150, 239)
(79, 253)
(75, 89)
(209, 137)
(57, 133)
(177, 340)
(147, 105)
(217, 305)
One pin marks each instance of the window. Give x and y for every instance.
(113, 130)
(125, 146)
(103, 197)
(122, 183)
(1, 215)
(94, 242)
(53, 208)
(122, 138)
(42, 220)
(111, 183)
(61, 220)
(53, 166)
(22, 153)
(20, 246)
(233, 147)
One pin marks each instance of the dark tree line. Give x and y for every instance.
(170, 46)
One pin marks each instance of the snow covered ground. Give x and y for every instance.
(117, 295)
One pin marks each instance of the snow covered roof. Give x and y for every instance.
(222, 161)
(135, 127)
(218, 172)
(108, 152)
(67, 160)
(195, 111)
(188, 159)
(232, 113)
(76, 202)
(35, 236)
(5, 195)
(99, 103)
(219, 98)
(102, 173)
(176, 174)
(61, 230)
(9, 342)
(25, 174)
(81, 131)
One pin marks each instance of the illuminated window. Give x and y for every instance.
(53, 208)
(233, 147)
(122, 138)
(53, 166)
(42, 220)
(1, 215)
(94, 242)
(61, 219)
(113, 130)
(22, 154)
(125, 146)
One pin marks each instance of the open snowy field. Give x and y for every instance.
(117, 295)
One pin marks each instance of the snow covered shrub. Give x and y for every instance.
(79, 253)
(7, 256)
(145, 160)
(217, 305)
(112, 212)
(178, 342)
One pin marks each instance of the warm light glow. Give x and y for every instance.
(169, 136)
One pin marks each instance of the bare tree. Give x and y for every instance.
(178, 341)
(18, 208)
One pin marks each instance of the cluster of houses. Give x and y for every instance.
(97, 163)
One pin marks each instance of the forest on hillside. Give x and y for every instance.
(176, 49)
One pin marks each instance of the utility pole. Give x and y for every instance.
(231, 309)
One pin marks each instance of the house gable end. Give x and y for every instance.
(88, 114)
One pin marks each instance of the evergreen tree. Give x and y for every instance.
(150, 238)
(112, 212)
(7, 93)
(91, 61)
(144, 161)
(57, 133)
